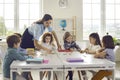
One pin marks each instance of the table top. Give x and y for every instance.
(58, 62)
(88, 61)
(51, 62)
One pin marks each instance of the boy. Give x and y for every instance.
(13, 43)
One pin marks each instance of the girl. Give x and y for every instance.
(47, 42)
(94, 46)
(70, 44)
(94, 43)
(107, 53)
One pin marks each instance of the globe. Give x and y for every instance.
(63, 24)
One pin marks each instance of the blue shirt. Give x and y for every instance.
(37, 30)
(10, 56)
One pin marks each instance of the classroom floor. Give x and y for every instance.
(35, 74)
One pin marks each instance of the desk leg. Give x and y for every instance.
(113, 75)
(11, 75)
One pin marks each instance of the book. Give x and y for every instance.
(74, 60)
(64, 51)
(35, 60)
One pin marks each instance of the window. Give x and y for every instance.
(91, 17)
(6, 16)
(102, 16)
(16, 15)
(113, 17)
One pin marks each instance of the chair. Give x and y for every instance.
(2, 53)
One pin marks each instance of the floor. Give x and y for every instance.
(36, 77)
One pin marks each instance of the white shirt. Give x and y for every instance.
(49, 46)
(94, 47)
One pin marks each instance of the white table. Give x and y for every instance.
(57, 62)
(89, 63)
(54, 64)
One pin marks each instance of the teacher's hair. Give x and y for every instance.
(46, 17)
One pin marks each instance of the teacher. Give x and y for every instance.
(31, 35)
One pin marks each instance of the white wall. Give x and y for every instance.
(74, 8)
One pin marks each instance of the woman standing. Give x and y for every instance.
(32, 34)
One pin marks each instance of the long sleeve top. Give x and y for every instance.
(10, 56)
(73, 45)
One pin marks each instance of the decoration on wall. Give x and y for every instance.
(63, 3)
(63, 24)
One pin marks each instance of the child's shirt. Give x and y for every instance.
(49, 46)
(94, 47)
(73, 45)
(110, 54)
(10, 56)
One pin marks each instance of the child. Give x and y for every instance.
(70, 44)
(13, 43)
(94, 43)
(107, 53)
(47, 41)
(94, 46)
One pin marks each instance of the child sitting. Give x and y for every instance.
(107, 53)
(13, 43)
(70, 44)
(47, 42)
(95, 44)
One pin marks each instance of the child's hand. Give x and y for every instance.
(86, 50)
(49, 51)
(71, 49)
(96, 55)
(81, 51)
(30, 52)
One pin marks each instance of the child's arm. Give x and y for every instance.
(39, 46)
(18, 56)
(100, 54)
(77, 47)
(53, 46)
(90, 52)
(66, 46)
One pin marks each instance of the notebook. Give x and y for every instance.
(35, 60)
(74, 60)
